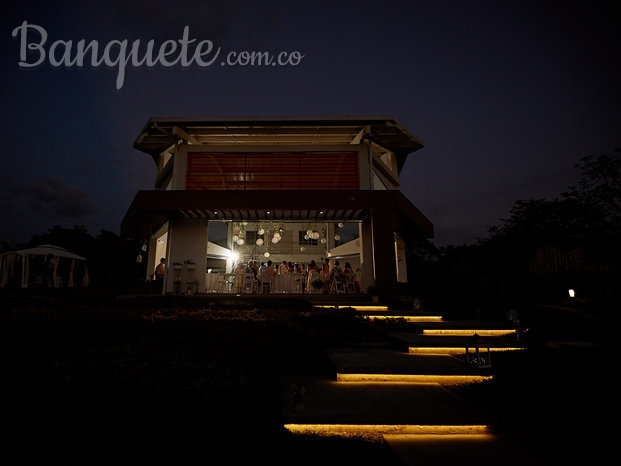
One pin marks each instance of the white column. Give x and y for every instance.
(187, 240)
(367, 267)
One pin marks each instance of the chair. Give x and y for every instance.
(250, 284)
(220, 283)
(296, 283)
(338, 286)
(266, 285)
(350, 286)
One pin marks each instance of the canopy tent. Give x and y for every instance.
(45, 265)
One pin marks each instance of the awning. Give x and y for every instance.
(152, 209)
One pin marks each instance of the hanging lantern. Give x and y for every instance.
(260, 231)
(240, 241)
(306, 237)
(236, 229)
(259, 241)
(323, 241)
(309, 232)
(235, 238)
(337, 237)
(244, 223)
(276, 235)
(302, 249)
(266, 254)
(315, 235)
(341, 224)
(274, 241)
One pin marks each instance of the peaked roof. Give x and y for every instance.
(161, 134)
(46, 249)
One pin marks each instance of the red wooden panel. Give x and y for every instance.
(252, 171)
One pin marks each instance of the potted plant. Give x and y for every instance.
(374, 291)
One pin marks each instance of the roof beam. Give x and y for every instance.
(177, 131)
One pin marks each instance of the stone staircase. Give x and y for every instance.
(402, 394)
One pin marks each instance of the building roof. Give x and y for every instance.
(161, 134)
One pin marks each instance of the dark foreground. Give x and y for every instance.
(95, 379)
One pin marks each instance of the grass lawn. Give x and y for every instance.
(89, 378)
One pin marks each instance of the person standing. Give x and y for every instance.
(160, 270)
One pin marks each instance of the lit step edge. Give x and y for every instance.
(386, 429)
(456, 349)
(407, 318)
(413, 378)
(469, 332)
(353, 306)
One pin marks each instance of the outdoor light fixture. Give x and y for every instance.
(260, 231)
(337, 237)
(323, 241)
(572, 293)
(235, 238)
(266, 254)
(341, 224)
(302, 249)
(259, 242)
(240, 242)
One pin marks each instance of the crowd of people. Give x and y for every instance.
(312, 278)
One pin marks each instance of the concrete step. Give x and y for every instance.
(453, 344)
(389, 365)
(485, 449)
(407, 316)
(336, 408)
(466, 327)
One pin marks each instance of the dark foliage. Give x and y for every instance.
(111, 259)
(543, 247)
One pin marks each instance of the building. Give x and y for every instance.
(226, 186)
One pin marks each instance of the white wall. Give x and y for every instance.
(187, 240)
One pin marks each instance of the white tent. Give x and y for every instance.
(349, 252)
(14, 262)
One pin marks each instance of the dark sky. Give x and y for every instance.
(506, 96)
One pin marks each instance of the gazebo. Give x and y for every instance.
(43, 266)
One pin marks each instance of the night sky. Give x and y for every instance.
(506, 96)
